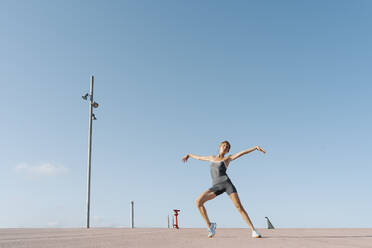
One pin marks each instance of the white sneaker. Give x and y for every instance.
(255, 234)
(212, 230)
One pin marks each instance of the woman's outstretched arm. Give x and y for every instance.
(204, 158)
(239, 154)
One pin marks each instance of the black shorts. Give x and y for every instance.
(225, 186)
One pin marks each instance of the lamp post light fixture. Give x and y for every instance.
(92, 105)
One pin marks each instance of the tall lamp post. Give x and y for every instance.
(92, 105)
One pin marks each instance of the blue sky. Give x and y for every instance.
(177, 77)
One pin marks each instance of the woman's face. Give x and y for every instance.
(224, 148)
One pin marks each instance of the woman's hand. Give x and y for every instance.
(184, 159)
(260, 149)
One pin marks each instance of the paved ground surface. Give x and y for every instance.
(183, 238)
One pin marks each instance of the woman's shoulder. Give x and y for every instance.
(225, 159)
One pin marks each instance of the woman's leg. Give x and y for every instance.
(205, 196)
(235, 199)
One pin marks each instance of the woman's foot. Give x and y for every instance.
(255, 234)
(212, 230)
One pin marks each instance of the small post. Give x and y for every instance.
(168, 220)
(131, 214)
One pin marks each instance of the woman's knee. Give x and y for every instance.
(199, 202)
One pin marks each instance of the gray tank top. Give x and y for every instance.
(218, 172)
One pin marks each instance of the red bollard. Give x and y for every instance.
(176, 214)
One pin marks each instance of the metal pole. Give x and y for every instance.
(89, 147)
(131, 214)
(168, 220)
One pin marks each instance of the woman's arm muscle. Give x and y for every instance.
(239, 154)
(204, 158)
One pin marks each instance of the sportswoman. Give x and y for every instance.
(222, 183)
